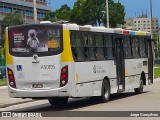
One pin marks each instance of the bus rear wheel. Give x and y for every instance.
(105, 91)
(58, 101)
(140, 89)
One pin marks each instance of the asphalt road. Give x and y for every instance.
(148, 101)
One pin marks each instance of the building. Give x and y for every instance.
(25, 7)
(128, 24)
(142, 23)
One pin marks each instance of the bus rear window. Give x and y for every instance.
(31, 40)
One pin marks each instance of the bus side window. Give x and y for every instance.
(135, 47)
(146, 47)
(79, 44)
(99, 47)
(127, 47)
(91, 45)
(73, 45)
(142, 44)
(76, 44)
(86, 49)
(109, 47)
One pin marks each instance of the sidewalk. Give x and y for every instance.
(6, 101)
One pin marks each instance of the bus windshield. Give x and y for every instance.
(35, 39)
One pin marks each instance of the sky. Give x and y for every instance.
(132, 7)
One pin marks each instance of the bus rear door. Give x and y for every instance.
(120, 65)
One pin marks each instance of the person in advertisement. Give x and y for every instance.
(32, 41)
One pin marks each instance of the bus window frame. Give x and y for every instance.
(94, 47)
(130, 42)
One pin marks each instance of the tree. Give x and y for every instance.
(116, 14)
(64, 13)
(50, 16)
(156, 44)
(91, 12)
(14, 18)
(94, 12)
(78, 12)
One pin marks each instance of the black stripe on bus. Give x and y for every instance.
(94, 81)
(134, 75)
(109, 79)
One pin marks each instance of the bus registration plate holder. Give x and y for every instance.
(37, 85)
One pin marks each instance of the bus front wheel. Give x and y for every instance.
(140, 89)
(58, 101)
(105, 91)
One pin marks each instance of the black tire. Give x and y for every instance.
(58, 101)
(105, 91)
(140, 89)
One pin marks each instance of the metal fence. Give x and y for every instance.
(157, 62)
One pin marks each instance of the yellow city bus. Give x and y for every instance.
(61, 61)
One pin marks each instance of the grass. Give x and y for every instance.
(156, 72)
(3, 82)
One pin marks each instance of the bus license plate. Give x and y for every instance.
(37, 85)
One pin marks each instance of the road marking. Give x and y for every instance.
(3, 87)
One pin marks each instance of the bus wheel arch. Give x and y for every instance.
(105, 90)
(58, 101)
(142, 83)
(143, 77)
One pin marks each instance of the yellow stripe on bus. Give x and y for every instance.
(67, 53)
(77, 77)
(9, 59)
(140, 33)
(126, 72)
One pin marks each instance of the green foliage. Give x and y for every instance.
(90, 12)
(11, 19)
(116, 14)
(156, 72)
(50, 16)
(77, 15)
(3, 82)
(64, 13)
(156, 40)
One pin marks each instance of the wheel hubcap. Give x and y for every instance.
(141, 87)
(106, 92)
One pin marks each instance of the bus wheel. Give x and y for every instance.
(140, 89)
(105, 91)
(58, 101)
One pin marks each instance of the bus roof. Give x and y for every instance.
(70, 26)
(73, 26)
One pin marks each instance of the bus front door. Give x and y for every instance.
(150, 61)
(120, 65)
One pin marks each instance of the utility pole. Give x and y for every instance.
(151, 19)
(35, 11)
(107, 14)
(158, 43)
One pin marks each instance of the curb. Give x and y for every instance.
(11, 104)
(156, 80)
(3, 87)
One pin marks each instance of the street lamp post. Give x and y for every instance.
(158, 44)
(151, 19)
(35, 11)
(107, 14)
